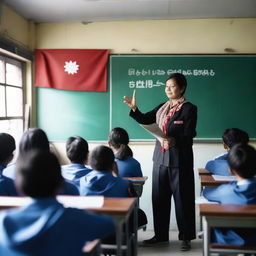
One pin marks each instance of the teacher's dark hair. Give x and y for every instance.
(119, 140)
(180, 80)
(101, 158)
(241, 159)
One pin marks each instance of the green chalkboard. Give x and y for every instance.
(222, 86)
(66, 113)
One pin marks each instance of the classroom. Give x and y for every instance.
(197, 35)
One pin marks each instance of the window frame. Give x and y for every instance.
(22, 88)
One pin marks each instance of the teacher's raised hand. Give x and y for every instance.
(131, 102)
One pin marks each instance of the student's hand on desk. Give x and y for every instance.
(168, 143)
(131, 102)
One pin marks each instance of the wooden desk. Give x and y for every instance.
(209, 181)
(119, 208)
(137, 183)
(202, 171)
(226, 215)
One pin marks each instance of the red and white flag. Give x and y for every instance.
(71, 69)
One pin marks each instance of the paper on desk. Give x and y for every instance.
(203, 200)
(14, 201)
(81, 202)
(154, 130)
(224, 178)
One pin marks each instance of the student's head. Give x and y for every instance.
(34, 138)
(77, 149)
(38, 174)
(241, 160)
(7, 146)
(119, 140)
(234, 136)
(102, 158)
(176, 85)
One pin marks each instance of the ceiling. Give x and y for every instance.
(110, 10)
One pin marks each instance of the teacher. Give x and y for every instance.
(173, 173)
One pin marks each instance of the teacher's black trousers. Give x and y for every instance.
(168, 182)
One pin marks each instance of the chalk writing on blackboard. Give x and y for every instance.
(162, 72)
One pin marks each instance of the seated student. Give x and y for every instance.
(230, 137)
(32, 139)
(7, 146)
(101, 181)
(127, 165)
(241, 159)
(45, 226)
(77, 152)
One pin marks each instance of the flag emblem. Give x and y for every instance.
(71, 67)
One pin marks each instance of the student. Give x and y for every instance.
(77, 152)
(230, 137)
(100, 181)
(241, 159)
(33, 139)
(46, 227)
(127, 165)
(7, 146)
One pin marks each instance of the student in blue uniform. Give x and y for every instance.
(7, 146)
(241, 159)
(230, 137)
(100, 181)
(45, 226)
(127, 165)
(77, 152)
(32, 139)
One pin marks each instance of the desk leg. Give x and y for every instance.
(135, 230)
(206, 237)
(119, 227)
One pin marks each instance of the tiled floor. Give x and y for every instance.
(173, 249)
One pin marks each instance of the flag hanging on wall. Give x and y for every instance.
(71, 69)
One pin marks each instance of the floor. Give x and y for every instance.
(172, 249)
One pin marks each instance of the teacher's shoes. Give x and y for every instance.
(155, 242)
(185, 245)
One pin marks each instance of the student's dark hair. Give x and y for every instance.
(241, 159)
(234, 136)
(77, 149)
(119, 140)
(38, 174)
(101, 158)
(180, 80)
(7, 146)
(34, 138)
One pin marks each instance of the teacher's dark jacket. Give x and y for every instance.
(179, 161)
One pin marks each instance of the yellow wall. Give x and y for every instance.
(155, 36)
(13, 26)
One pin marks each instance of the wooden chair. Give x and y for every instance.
(226, 215)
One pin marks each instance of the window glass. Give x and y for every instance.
(2, 101)
(13, 72)
(14, 101)
(13, 127)
(2, 71)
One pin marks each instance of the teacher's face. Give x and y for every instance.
(172, 90)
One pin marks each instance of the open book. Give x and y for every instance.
(155, 131)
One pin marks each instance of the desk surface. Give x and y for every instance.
(209, 181)
(137, 179)
(202, 171)
(228, 210)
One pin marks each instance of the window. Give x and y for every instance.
(11, 96)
